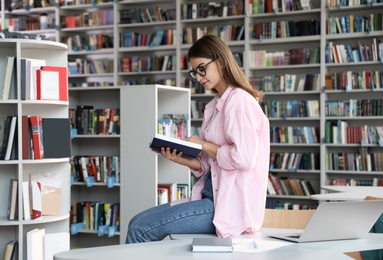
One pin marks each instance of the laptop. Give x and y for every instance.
(338, 220)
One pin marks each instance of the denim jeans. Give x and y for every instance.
(156, 223)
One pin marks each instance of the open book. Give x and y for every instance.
(188, 149)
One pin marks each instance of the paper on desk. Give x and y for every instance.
(245, 245)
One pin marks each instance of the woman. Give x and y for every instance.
(229, 197)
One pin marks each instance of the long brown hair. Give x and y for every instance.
(212, 47)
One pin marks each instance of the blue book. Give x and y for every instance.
(188, 149)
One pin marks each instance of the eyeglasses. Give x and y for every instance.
(200, 70)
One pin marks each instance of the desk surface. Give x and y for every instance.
(181, 249)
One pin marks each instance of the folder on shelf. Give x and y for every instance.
(52, 83)
(56, 136)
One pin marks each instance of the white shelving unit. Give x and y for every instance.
(55, 54)
(141, 168)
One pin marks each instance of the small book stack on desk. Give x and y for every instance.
(212, 244)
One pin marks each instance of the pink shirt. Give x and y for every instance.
(240, 171)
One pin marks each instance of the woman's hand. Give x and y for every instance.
(195, 139)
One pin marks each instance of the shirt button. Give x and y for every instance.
(214, 175)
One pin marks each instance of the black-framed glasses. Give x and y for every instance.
(200, 70)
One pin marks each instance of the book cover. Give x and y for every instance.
(47, 85)
(212, 244)
(62, 82)
(35, 194)
(9, 250)
(37, 136)
(56, 136)
(12, 200)
(188, 149)
(9, 71)
(50, 186)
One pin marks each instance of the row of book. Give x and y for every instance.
(275, 204)
(173, 125)
(148, 63)
(349, 80)
(88, 120)
(136, 39)
(283, 29)
(361, 161)
(147, 80)
(82, 2)
(39, 137)
(90, 66)
(351, 23)
(287, 82)
(29, 23)
(41, 196)
(88, 19)
(145, 15)
(197, 108)
(95, 214)
(168, 192)
(353, 182)
(291, 108)
(354, 107)
(289, 186)
(293, 161)
(227, 32)
(212, 9)
(345, 3)
(282, 6)
(93, 168)
(89, 42)
(341, 133)
(263, 58)
(341, 53)
(294, 134)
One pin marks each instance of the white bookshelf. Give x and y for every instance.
(55, 54)
(141, 168)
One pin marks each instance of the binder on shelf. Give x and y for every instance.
(56, 136)
(52, 83)
(8, 77)
(36, 199)
(12, 200)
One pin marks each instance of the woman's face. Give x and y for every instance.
(208, 68)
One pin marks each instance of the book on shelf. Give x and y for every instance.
(171, 190)
(162, 194)
(50, 185)
(26, 138)
(35, 244)
(52, 83)
(10, 249)
(8, 77)
(37, 136)
(212, 244)
(26, 200)
(12, 212)
(188, 149)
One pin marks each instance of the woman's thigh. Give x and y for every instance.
(157, 222)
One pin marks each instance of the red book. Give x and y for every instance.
(52, 83)
(37, 136)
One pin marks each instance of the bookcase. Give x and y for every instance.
(280, 33)
(55, 54)
(143, 169)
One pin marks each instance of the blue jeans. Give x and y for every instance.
(156, 223)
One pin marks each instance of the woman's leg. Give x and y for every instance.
(156, 223)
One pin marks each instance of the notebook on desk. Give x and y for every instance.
(338, 220)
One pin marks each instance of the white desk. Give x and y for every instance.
(181, 249)
(348, 192)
